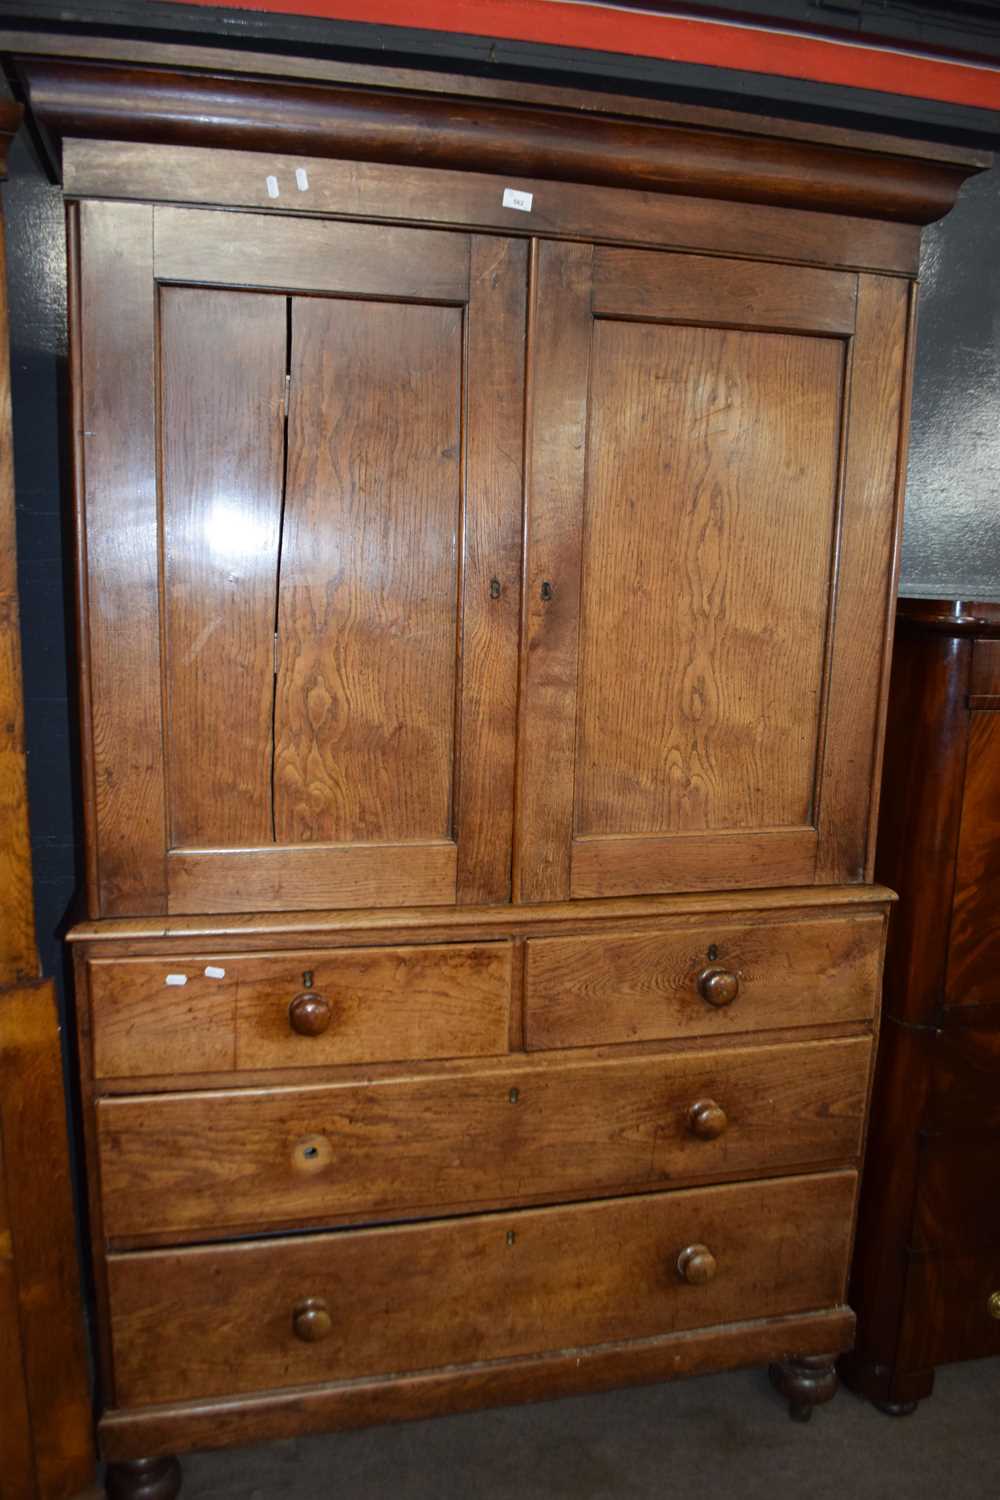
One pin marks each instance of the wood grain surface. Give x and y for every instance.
(973, 976)
(263, 1158)
(223, 386)
(643, 986)
(301, 255)
(197, 1323)
(712, 461)
(386, 1004)
(118, 515)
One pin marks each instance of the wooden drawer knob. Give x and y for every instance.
(309, 1014)
(718, 986)
(707, 1120)
(696, 1265)
(311, 1320)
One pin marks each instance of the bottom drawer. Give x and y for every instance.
(261, 1315)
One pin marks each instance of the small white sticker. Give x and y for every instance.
(272, 187)
(515, 198)
(176, 979)
(302, 179)
(212, 972)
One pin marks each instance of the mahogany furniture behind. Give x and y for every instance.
(487, 515)
(926, 1279)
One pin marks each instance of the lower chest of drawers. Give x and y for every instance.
(334, 1163)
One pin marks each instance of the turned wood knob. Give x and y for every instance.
(718, 986)
(707, 1120)
(311, 1320)
(696, 1265)
(309, 1014)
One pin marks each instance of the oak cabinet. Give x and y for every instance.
(483, 640)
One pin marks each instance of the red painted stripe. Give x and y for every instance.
(601, 28)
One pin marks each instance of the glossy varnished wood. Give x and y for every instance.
(462, 1292)
(196, 109)
(223, 388)
(638, 987)
(232, 1011)
(973, 976)
(187, 1162)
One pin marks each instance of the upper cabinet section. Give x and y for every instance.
(301, 506)
(712, 467)
(441, 546)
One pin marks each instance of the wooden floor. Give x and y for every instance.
(724, 1436)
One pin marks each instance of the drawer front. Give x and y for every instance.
(256, 1158)
(236, 1318)
(214, 1015)
(701, 981)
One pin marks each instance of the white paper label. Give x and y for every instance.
(212, 972)
(302, 179)
(515, 198)
(176, 979)
(272, 187)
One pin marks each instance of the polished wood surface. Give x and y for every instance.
(223, 382)
(463, 1291)
(928, 1230)
(973, 976)
(640, 987)
(183, 1163)
(194, 109)
(235, 1012)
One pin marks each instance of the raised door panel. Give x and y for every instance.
(331, 539)
(689, 508)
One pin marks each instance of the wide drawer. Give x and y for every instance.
(265, 1158)
(243, 1317)
(716, 979)
(219, 1014)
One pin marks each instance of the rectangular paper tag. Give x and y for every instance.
(176, 979)
(515, 198)
(212, 972)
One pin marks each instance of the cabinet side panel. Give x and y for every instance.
(118, 441)
(223, 376)
(864, 580)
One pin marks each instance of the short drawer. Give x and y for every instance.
(701, 981)
(291, 1010)
(952, 1309)
(236, 1160)
(235, 1318)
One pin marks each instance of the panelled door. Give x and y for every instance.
(301, 507)
(711, 476)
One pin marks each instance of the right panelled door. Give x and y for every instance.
(712, 463)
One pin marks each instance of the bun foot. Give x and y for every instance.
(805, 1383)
(144, 1479)
(896, 1408)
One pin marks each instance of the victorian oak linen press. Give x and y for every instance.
(487, 499)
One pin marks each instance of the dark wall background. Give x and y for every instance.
(952, 534)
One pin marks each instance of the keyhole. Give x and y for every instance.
(310, 1152)
(713, 952)
(546, 590)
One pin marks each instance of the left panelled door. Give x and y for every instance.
(300, 521)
